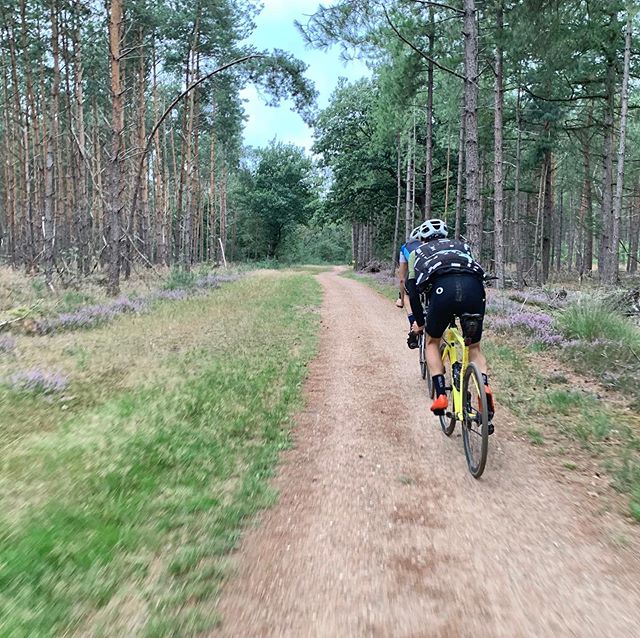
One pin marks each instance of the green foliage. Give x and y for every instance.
(180, 279)
(39, 287)
(328, 243)
(591, 320)
(275, 194)
(72, 299)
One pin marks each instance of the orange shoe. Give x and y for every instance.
(491, 408)
(440, 405)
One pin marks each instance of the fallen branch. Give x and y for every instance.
(10, 322)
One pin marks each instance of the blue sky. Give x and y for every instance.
(275, 29)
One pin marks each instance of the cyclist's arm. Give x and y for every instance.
(414, 295)
(402, 275)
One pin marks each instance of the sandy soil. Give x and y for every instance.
(381, 531)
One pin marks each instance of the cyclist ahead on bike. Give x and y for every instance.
(403, 268)
(453, 281)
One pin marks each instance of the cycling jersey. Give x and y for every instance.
(407, 249)
(456, 278)
(439, 257)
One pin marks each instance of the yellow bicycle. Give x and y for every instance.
(465, 391)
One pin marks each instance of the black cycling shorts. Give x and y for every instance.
(454, 294)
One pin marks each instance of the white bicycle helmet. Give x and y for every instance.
(415, 233)
(433, 229)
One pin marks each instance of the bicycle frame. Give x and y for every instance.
(454, 344)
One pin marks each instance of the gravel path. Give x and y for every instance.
(381, 531)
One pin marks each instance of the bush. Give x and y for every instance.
(179, 279)
(591, 320)
(72, 299)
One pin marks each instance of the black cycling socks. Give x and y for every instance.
(438, 384)
(411, 320)
(485, 379)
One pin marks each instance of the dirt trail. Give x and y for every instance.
(381, 531)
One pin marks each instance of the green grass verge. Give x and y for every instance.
(386, 290)
(597, 426)
(123, 508)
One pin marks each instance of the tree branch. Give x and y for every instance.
(170, 108)
(440, 5)
(418, 51)
(573, 98)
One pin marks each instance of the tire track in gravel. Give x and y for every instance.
(381, 531)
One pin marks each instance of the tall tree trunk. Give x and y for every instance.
(428, 170)
(518, 218)
(223, 207)
(162, 233)
(48, 221)
(460, 179)
(571, 239)
(413, 173)
(447, 183)
(472, 162)
(537, 235)
(560, 226)
(354, 244)
(213, 215)
(498, 210)
(82, 200)
(9, 190)
(585, 222)
(547, 218)
(143, 234)
(408, 210)
(394, 258)
(612, 270)
(607, 176)
(115, 204)
(20, 165)
(634, 233)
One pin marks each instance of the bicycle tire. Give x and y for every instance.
(475, 424)
(423, 360)
(447, 423)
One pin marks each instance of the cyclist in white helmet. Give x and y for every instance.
(454, 282)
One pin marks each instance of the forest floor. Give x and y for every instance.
(381, 531)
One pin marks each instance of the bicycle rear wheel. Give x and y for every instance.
(475, 424)
(447, 423)
(423, 361)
